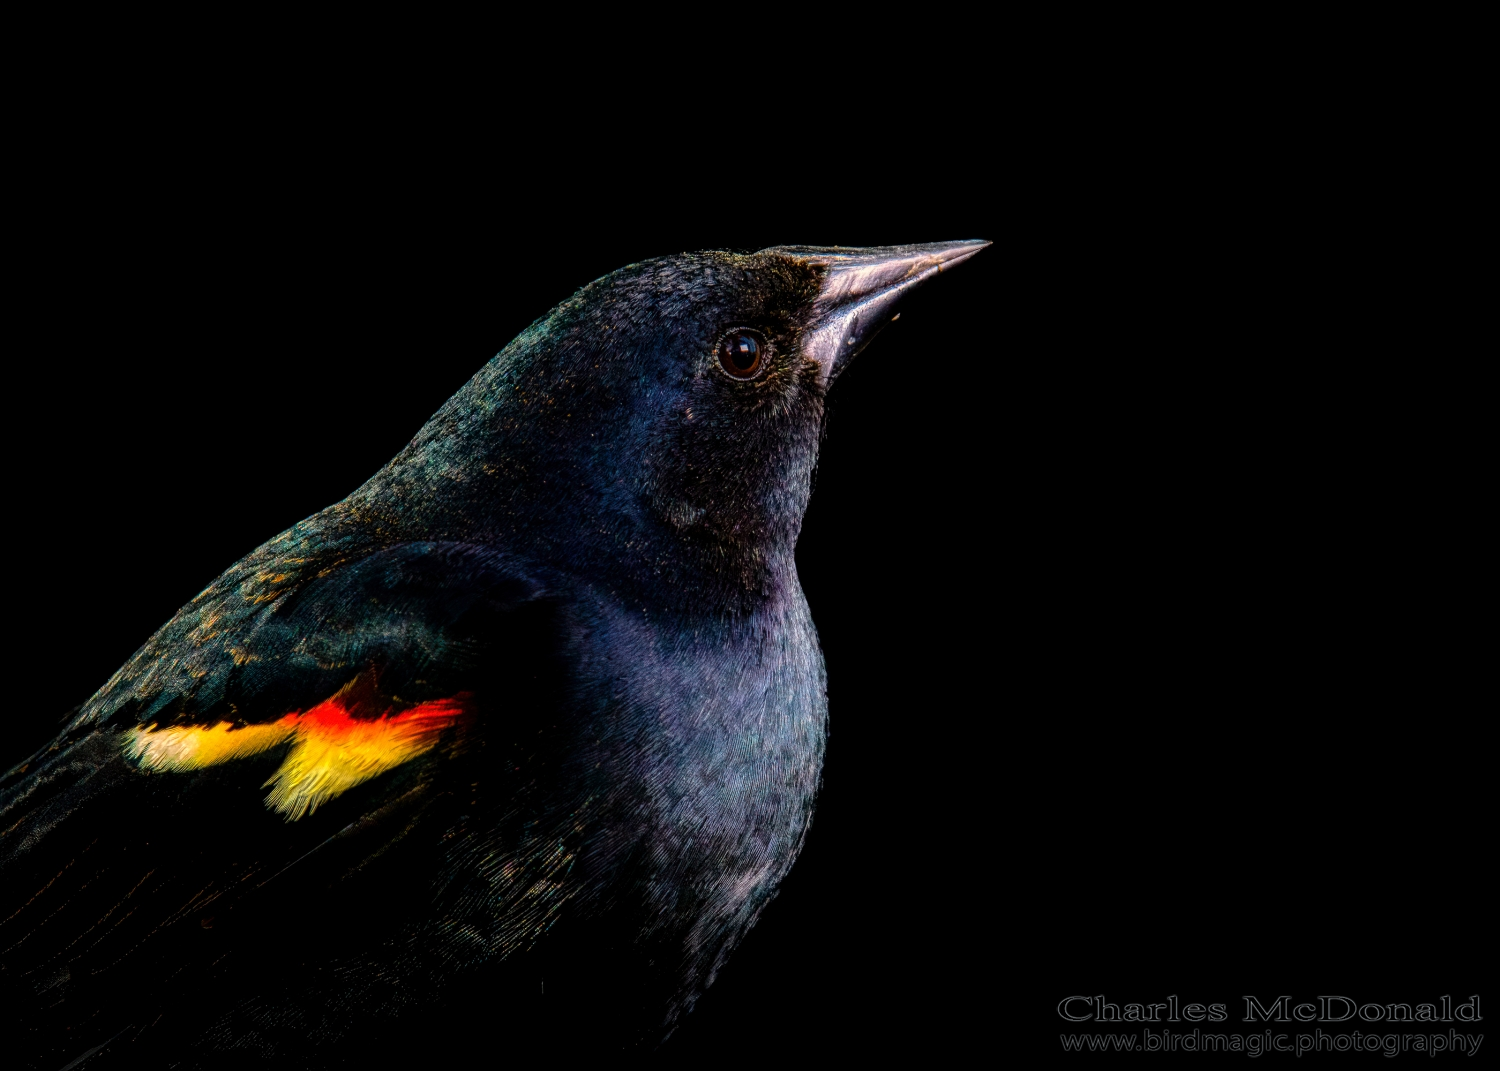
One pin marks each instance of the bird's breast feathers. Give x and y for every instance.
(331, 749)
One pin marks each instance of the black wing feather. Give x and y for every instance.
(127, 899)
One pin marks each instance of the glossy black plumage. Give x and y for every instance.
(594, 540)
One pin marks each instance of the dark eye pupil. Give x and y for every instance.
(740, 354)
(744, 352)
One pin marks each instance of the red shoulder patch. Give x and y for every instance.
(335, 745)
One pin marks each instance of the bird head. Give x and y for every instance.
(663, 423)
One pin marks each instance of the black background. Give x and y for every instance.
(1141, 549)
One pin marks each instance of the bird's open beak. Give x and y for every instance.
(862, 289)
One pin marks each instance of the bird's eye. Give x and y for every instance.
(742, 353)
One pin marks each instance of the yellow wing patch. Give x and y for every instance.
(190, 747)
(331, 751)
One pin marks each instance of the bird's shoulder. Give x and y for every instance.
(297, 616)
(355, 655)
(382, 689)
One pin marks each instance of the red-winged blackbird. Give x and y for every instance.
(510, 746)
